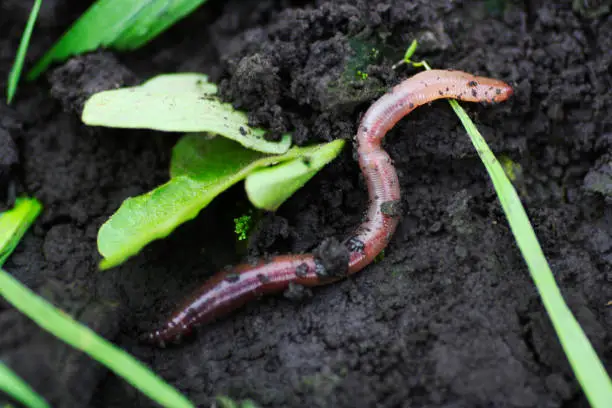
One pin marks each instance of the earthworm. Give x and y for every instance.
(228, 290)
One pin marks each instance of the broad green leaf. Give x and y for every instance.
(13, 385)
(116, 24)
(268, 188)
(201, 169)
(15, 73)
(176, 103)
(14, 223)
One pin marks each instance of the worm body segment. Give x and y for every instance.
(228, 290)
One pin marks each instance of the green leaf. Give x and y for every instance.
(176, 103)
(268, 188)
(13, 385)
(201, 169)
(14, 223)
(15, 73)
(116, 24)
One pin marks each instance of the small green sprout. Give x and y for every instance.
(408, 55)
(243, 226)
(361, 75)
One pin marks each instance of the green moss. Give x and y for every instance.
(243, 226)
(361, 75)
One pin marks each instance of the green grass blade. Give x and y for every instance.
(83, 338)
(116, 24)
(18, 389)
(14, 223)
(15, 73)
(588, 368)
(585, 363)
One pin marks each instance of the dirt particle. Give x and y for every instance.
(354, 244)
(472, 84)
(297, 292)
(302, 270)
(391, 208)
(320, 269)
(474, 93)
(263, 278)
(331, 258)
(243, 131)
(232, 277)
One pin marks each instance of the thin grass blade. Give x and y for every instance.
(18, 389)
(588, 368)
(15, 73)
(81, 337)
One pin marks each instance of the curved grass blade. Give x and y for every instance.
(116, 24)
(183, 102)
(201, 169)
(588, 368)
(15, 73)
(18, 389)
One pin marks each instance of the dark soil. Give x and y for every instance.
(448, 318)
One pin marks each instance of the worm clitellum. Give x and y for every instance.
(231, 289)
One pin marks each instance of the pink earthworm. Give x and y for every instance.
(231, 289)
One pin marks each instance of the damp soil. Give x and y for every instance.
(449, 317)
